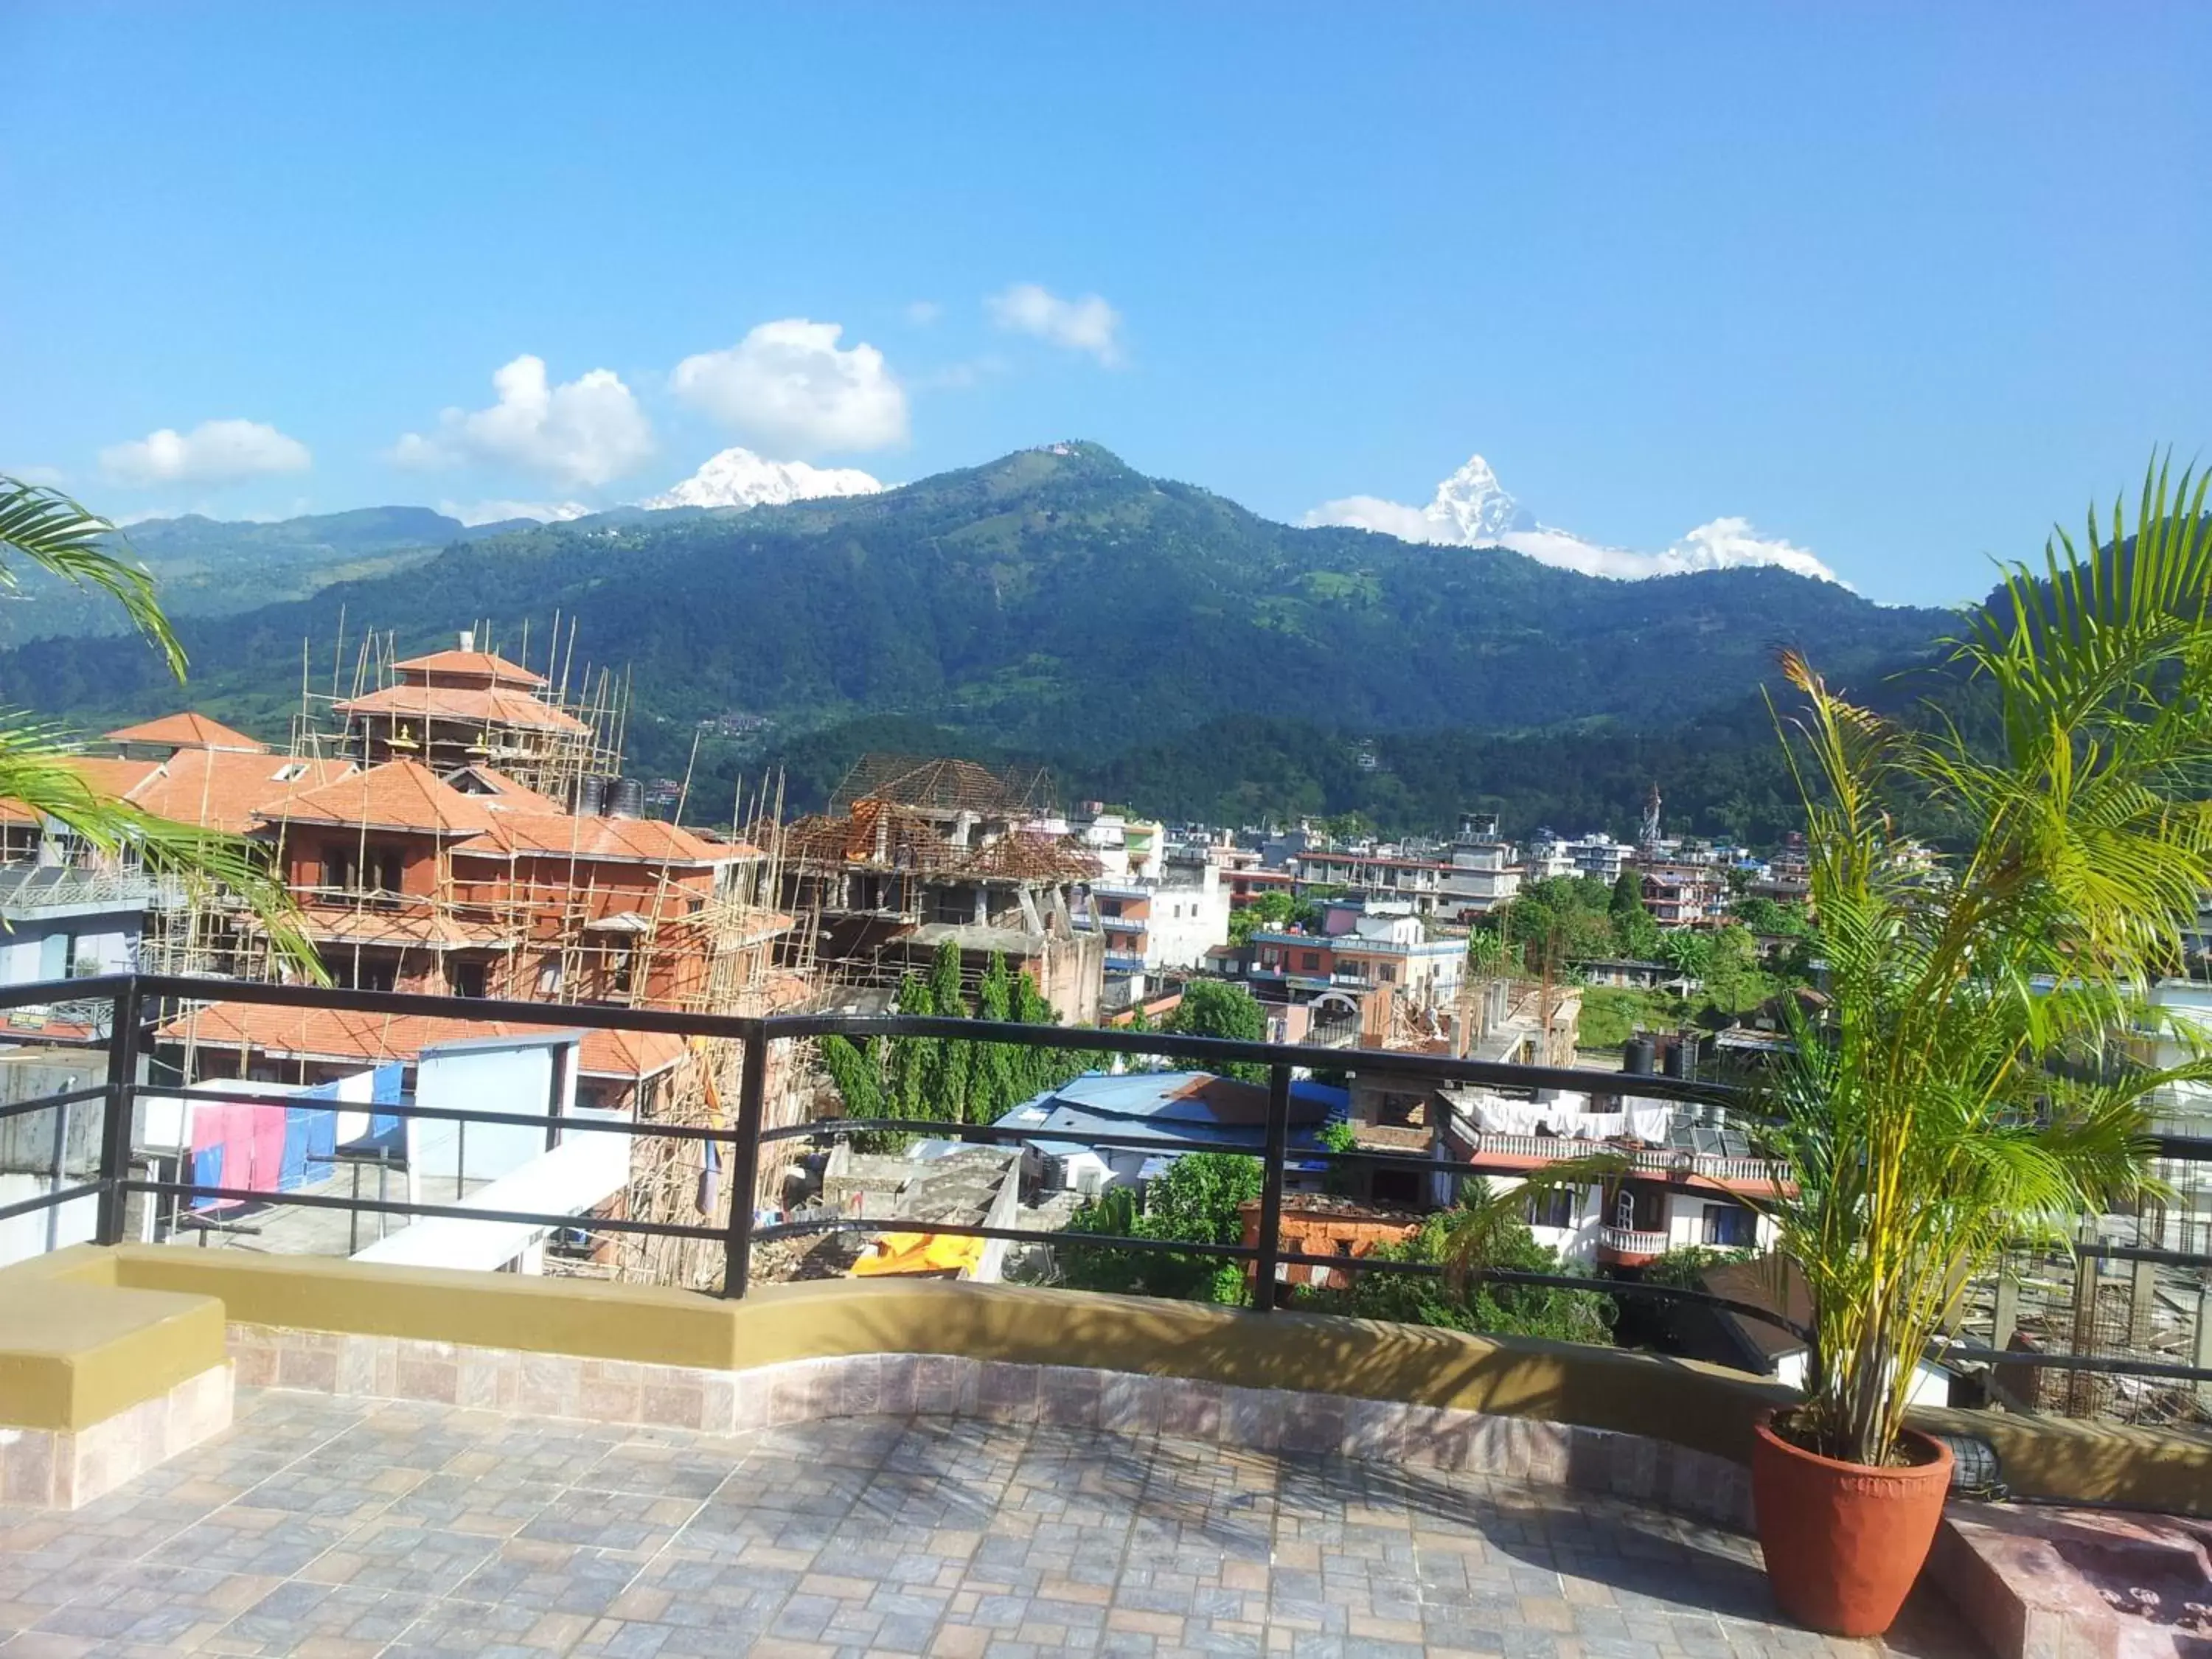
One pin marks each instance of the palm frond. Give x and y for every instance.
(57, 534)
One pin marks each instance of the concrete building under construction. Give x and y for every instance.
(913, 852)
(454, 826)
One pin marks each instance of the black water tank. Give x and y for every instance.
(591, 796)
(1681, 1059)
(626, 799)
(1637, 1055)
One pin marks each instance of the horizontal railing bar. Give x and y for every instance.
(453, 1211)
(50, 1200)
(99, 987)
(2140, 1253)
(551, 1016)
(1108, 1040)
(2120, 1366)
(845, 1223)
(987, 1133)
(1378, 1062)
(442, 1113)
(50, 1102)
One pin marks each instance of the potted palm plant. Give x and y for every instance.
(1971, 1091)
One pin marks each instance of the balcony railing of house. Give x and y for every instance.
(26, 887)
(1633, 1242)
(1659, 1161)
(138, 1004)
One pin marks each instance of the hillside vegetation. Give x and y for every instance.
(1151, 640)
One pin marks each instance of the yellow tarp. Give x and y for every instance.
(920, 1252)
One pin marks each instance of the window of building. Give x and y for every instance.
(358, 973)
(1731, 1226)
(1553, 1207)
(469, 979)
(548, 977)
(1389, 974)
(1310, 960)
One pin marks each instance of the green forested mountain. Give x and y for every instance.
(1152, 639)
(208, 566)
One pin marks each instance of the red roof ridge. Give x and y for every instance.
(487, 665)
(189, 729)
(403, 794)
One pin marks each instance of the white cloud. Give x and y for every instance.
(923, 313)
(788, 386)
(737, 477)
(1407, 524)
(1085, 325)
(1472, 509)
(582, 434)
(493, 511)
(48, 478)
(212, 453)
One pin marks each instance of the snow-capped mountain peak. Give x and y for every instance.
(1475, 505)
(1472, 509)
(739, 477)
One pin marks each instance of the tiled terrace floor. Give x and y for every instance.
(338, 1527)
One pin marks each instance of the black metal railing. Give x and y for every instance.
(139, 1003)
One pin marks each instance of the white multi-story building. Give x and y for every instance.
(1482, 873)
(1150, 926)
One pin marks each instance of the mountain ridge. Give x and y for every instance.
(1052, 600)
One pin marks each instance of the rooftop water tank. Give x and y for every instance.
(626, 799)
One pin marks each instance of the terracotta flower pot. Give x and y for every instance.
(1843, 1542)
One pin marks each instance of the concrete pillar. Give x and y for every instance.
(2201, 1350)
(2143, 1304)
(2006, 1320)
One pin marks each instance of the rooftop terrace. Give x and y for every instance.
(337, 1525)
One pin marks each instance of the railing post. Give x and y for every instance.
(744, 1172)
(116, 1118)
(1271, 1188)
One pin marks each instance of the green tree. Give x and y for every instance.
(1627, 896)
(950, 1080)
(1216, 1008)
(1734, 984)
(1481, 1305)
(1271, 912)
(1933, 1127)
(1558, 920)
(1199, 1201)
(47, 531)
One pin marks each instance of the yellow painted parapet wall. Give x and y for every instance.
(1703, 1407)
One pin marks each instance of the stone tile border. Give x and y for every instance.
(1627, 1466)
(58, 1469)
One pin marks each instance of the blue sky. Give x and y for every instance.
(1897, 285)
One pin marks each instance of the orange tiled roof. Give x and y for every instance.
(223, 789)
(492, 706)
(350, 924)
(327, 1033)
(401, 794)
(649, 841)
(189, 731)
(459, 667)
(507, 795)
(118, 779)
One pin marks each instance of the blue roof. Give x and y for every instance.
(1173, 1106)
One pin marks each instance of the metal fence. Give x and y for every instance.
(137, 1004)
